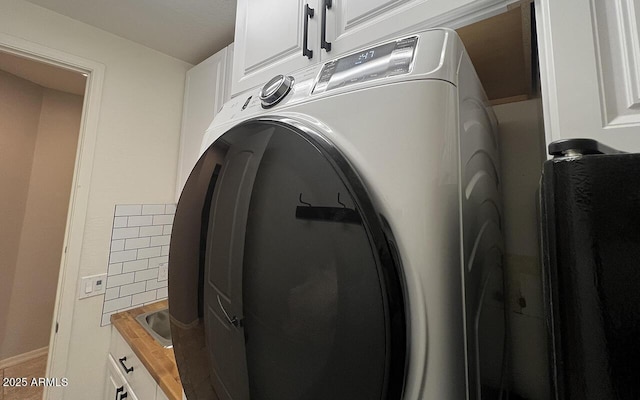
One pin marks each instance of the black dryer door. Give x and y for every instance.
(283, 278)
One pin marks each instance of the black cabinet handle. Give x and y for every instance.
(308, 13)
(123, 396)
(126, 369)
(118, 391)
(323, 33)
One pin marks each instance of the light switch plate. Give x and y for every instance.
(163, 272)
(93, 285)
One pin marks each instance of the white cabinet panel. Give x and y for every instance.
(121, 383)
(228, 69)
(362, 9)
(137, 376)
(269, 40)
(269, 33)
(113, 385)
(619, 56)
(355, 23)
(589, 66)
(206, 90)
(117, 386)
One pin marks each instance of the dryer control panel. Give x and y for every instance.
(389, 59)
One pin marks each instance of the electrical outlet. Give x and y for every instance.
(163, 272)
(93, 285)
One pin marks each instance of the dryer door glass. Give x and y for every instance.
(291, 291)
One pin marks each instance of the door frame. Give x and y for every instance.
(71, 251)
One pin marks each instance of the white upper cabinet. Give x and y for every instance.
(273, 36)
(270, 40)
(356, 23)
(206, 90)
(590, 70)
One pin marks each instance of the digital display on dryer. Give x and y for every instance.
(365, 57)
(389, 59)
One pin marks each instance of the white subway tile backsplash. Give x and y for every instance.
(163, 293)
(154, 284)
(117, 245)
(143, 220)
(160, 240)
(146, 274)
(120, 256)
(133, 288)
(112, 293)
(140, 240)
(128, 209)
(114, 269)
(152, 209)
(137, 243)
(162, 219)
(131, 307)
(116, 304)
(149, 252)
(125, 233)
(119, 280)
(143, 297)
(120, 222)
(152, 231)
(156, 261)
(137, 265)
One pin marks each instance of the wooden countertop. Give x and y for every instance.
(160, 362)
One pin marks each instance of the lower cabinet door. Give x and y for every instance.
(117, 387)
(131, 368)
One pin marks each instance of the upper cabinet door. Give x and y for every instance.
(205, 93)
(590, 70)
(269, 40)
(355, 23)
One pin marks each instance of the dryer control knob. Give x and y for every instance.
(275, 90)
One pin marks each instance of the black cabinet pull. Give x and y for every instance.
(308, 13)
(323, 33)
(123, 396)
(118, 391)
(126, 369)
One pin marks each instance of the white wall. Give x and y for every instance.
(135, 157)
(20, 105)
(522, 153)
(27, 322)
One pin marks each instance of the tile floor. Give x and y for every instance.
(34, 368)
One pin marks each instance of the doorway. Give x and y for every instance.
(69, 265)
(40, 117)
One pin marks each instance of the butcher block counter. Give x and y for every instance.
(159, 361)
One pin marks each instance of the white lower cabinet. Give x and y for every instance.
(117, 387)
(127, 377)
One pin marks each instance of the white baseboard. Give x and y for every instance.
(24, 357)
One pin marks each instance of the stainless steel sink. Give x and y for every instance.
(158, 326)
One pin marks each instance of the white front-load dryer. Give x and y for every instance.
(339, 237)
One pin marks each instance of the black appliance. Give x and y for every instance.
(284, 279)
(590, 223)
